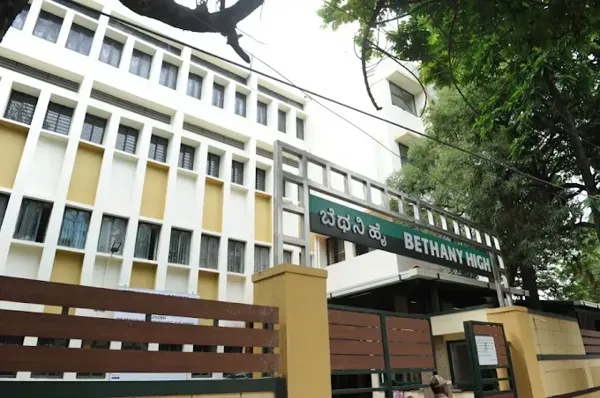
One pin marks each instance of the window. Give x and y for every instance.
(112, 234)
(20, 107)
(281, 120)
(194, 88)
(359, 250)
(80, 39)
(17, 340)
(179, 247)
(218, 98)
(73, 232)
(261, 258)
(261, 180)
(33, 220)
(140, 64)
(459, 363)
(93, 344)
(209, 252)
(93, 129)
(3, 205)
(287, 257)
(213, 163)
(45, 342)
(186, 157)
(261, 113)
(299, 128)
(237, 172)
(170, 347)
(168, 75)
(48, 26)
(235, 256)
(146, 244)
(240, 104)
(335, 251)
(403, 99)
(158, 148)
(403, 149)
(127, 139)
(19, 21)
(111, 52)
(58, 118)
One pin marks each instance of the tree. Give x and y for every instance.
(537, 59)
(536, 224)
(199, 19)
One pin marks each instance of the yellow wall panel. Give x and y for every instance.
(66, 269)
(208, 289)
(263, 219)
(155, 191)
(86, 173)
(142, 276)
(212, 216)
(11, 148)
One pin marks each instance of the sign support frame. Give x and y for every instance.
(408, 210)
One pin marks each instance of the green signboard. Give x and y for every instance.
(341, 222)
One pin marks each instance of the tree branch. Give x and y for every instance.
(200, 19)
(365, 47)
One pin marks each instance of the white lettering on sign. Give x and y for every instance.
(486, 350)
(344, 224)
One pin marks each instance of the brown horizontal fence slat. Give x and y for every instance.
(592, 349)
(488, 330)
(590, 333)
(411, 362)
(339, 317)
(50, 359)
(350, 347)
(17, 323)
(75, 296)
(393, 322)
(501, 395)
(591, 341)
(404, 336)
(356, 362)
(410, 349)
(354, 333)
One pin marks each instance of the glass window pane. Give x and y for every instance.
(213, 164)
(3, 204)
(281, 120)
(179, 247)
(261, 180)
(58, 118)
(146, 244)
(74, 228)
(80, 39)
(240, 104)
(20, 107)
(112, 235)
(33, 220)
(194, 88)
(261, 113)
(19, 21)
(127, 139)
(48, 26)
(299, 128)
(111, 52)
(237, 172)
(218, 95)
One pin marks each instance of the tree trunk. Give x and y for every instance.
(581, 159)
(9, 9)
(529, 278)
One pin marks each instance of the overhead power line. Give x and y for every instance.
(324, 97)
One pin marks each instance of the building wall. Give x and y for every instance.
(67, 171)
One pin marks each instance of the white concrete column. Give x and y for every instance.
(272, 110)
(32, 16)
(250, 208)
(157, 61)
(251, 108)
(207, 88)
(201, 156)
(291, 123)
(229, 102)
(98, 38)
(65, 29)
(226, 176)
(127, 52)
(184, 70)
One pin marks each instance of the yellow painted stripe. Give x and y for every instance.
(143, 276)
(263, 219)
(212, 218)
(208, 289)
(155, 191)
(86, 174)
(66, 269)
(12, 142)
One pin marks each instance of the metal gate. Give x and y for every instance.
(489, 356)
(378, 351)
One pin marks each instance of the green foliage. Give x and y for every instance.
(535, 67)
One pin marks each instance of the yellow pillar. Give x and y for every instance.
(520, 335)
(301, 295)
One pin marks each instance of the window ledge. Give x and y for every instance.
(263, 243)
(22, 127)
(80, 206)
(109, 255)
(187, 172)
(209, 270)
(91, 145)
(180, 266)
(70, 249)
(151, 220)
(239, 187)
(145, 261)
(214, 181)
(236, 275)
(55, 136)
(22, 242)
(126, 155)
(263, 194)
(158, 164)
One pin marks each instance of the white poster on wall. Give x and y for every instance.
(153, 318)
(486, 350)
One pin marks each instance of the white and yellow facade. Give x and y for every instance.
(67, 171)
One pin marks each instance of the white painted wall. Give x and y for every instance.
(120, 200)
(44, 173)
(185, 210)
(23, 261)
